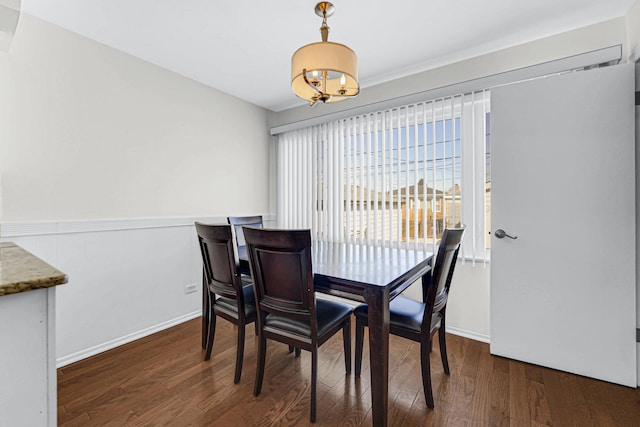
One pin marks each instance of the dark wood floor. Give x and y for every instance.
(163, 380)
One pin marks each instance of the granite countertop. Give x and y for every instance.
(21, 271)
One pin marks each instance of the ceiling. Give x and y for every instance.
(244, 47)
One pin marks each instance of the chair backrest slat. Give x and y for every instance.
(282, 272)
(438, 291)
(216, 246)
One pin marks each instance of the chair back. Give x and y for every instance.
(221, 274)
(281, 268)
(438, 291)
(237, 222)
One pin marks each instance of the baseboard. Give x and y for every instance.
(469, 334)
(92, 351)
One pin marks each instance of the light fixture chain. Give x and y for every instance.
(324, 28)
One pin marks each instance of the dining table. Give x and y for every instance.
(372, 274)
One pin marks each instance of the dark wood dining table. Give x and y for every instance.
(374, 275)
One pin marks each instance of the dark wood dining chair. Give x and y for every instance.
(419, 321)
(228, 296)
(288, 310)
(237, 222)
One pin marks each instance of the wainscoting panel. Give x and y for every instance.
(127, 278)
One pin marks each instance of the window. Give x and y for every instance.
(396, 177)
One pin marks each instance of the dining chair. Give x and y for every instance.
(229, 297)
(237, 222)
(288, 310)
(419, 321)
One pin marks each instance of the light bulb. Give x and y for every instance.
(343, 80)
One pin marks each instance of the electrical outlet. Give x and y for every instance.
(189, 289)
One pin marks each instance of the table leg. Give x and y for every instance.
(378, 301)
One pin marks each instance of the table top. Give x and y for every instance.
(347, 269)
(21, 271)
(366, 265)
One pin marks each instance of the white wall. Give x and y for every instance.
(468, 306)
(126, 278)
(633, 40)
(87, 132)
(633, 30)
(105, 162)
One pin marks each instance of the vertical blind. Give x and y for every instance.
(396, 177)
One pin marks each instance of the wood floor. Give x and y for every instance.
(162, 380)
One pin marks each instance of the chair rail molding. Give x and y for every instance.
(15, 229)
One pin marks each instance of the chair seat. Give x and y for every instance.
(329, 315)
(404, 313)
(230, 306)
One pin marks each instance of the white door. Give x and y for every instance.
(563, 183)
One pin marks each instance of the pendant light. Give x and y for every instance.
(324, 71)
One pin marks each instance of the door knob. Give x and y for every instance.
(500, 234)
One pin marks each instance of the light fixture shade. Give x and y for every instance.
(332, 60)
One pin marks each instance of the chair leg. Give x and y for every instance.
(239, 354)
(211, 333)
(443, 348)
(359, 345)
(314, 383)
(206, 311)
(262, 354)
(290, 349)
(346, 338)
(426, 370)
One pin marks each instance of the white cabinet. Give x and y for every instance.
(28, 383)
